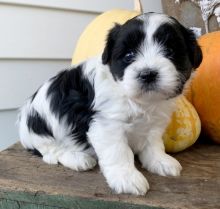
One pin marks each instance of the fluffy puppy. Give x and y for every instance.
(109, 108)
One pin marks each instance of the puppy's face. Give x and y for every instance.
(151, 54)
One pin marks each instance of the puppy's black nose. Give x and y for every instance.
(148, 76)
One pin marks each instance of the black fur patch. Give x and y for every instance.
(71, 95)
(37, 124)
(173, 44)
(121, 40)
(180, 46)
(35, 152)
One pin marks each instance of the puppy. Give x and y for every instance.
(111, 107)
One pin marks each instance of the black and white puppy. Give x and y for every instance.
(109, 108)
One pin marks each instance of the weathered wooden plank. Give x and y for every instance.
(25, 177)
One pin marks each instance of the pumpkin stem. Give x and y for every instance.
(138, 6)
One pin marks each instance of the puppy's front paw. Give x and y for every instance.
(130, 181)
(164, 165)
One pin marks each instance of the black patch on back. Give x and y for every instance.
(121, 40)
(37, 124)
(71, 95)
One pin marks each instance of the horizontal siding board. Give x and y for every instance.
(40, 33)
(96, 6)
(23, 77)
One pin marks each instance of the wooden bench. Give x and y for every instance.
(27, 182)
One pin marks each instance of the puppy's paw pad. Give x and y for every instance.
(131, 182)
(165, 166)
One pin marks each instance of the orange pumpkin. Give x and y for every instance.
(204, 92)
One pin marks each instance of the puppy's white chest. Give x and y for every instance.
(137, 133)
(142, 126)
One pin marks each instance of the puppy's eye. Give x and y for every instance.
(129, 57)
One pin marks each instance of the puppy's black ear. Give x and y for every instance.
(112, 35)
(194, 50)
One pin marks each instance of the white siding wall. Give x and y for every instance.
(37, 39)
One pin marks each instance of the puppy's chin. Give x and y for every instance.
(157, 96)
(150, 95)
(152, 92)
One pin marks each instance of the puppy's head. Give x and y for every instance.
(151, 54)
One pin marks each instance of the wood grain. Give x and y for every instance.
(25, 180)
